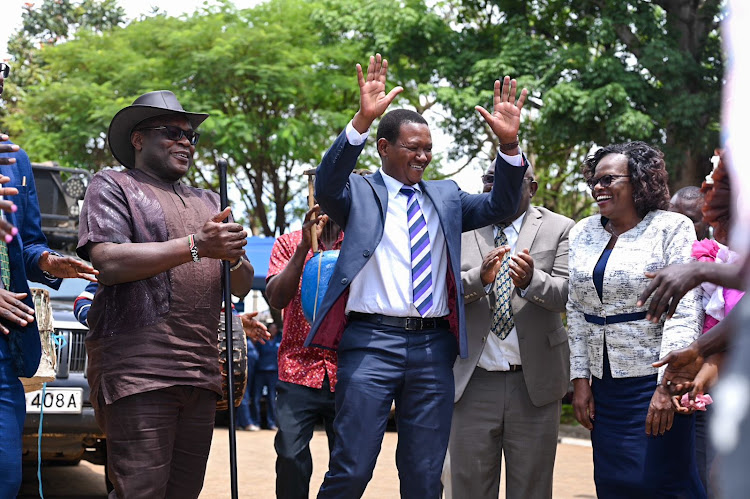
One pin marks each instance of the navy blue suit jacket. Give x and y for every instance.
(359, 205)
(28, 216)
(24, 252)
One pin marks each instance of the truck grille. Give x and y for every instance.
(72, 357)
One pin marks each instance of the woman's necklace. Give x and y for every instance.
(609, 228)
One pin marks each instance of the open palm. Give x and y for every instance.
(373, 101)
(505, 119)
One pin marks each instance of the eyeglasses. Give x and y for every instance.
(175, 133)
(489, 178)
(4, 69)
(604, 180)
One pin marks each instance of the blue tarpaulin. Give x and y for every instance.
(258, 251)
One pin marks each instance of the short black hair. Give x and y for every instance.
(648, 174)
(390, 125)
(690, 193)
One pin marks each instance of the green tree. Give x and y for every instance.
(53, 22)
(279, 83)
(277, 96)
(599, 71)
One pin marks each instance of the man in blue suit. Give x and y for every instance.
(24, 255)
(394, 306)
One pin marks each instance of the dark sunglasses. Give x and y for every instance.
(4, 69)
(175, 133)
(604, 180)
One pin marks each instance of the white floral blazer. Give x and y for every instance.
(660, 239)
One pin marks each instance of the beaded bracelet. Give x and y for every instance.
(193, 248)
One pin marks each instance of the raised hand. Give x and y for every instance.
(505, 119)
(373, 100)
(66, 266)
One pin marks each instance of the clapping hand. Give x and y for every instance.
(522, 269)
(491, 264)
(373, 100)
(505, 119)
(221, 241)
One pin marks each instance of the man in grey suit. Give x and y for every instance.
(508, 390)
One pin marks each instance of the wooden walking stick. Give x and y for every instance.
(314, 233)
(222, 164)
(310, 203)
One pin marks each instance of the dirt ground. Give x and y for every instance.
(256, 477)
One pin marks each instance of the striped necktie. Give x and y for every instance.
(4, 264)
(502, 317)
(421, 261)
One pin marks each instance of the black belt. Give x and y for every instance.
(512, 368)
(614, 319)
(407, 323)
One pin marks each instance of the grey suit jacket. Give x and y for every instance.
(543, 342)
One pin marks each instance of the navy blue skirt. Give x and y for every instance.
(628, 463)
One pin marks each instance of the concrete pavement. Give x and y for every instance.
(256, 460)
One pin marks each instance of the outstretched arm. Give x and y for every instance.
(671, 283)
(684, 364)
(479, 210)
(332, 175)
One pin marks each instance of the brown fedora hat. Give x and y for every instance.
(146, 106)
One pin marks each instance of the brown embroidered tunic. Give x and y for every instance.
(161, 331)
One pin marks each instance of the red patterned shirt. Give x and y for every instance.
(297, 364)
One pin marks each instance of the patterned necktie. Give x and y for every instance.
(502, 317)
(421, 261)
(4, 264)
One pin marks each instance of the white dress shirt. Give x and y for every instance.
(499, 355)
(384, 286)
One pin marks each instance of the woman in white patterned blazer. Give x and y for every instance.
(641, 448)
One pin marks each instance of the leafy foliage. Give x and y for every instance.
(278, 81)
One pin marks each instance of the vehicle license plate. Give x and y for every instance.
(56, 400)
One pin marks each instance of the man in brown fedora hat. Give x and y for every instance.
(152, 345)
